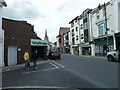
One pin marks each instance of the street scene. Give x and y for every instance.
(68, 72)
(59, 44)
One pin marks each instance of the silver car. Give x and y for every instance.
(113, 56)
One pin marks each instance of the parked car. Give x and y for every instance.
(54, 55)
(113, 56)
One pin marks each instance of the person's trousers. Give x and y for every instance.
(26, 64)
(34, 65)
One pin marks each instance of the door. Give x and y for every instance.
(12, 55)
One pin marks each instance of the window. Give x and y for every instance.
(81, 26)
(76, 28)
(101, 29)
(72, 24)
(81, 37)
(103, 12)
(118, 5)
(75, 21)
(76, 37)
(72, 32)
(97, 15)
(81, 34)
(85, 20)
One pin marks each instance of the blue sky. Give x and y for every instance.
(48, 14)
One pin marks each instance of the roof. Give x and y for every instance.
(18, 21)
(100, 6)
(74, 19)
(3, 3)
(35, 36)
(64, 29)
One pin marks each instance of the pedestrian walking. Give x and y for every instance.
(27, 59)
(34, 58)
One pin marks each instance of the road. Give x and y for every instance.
(69, 72)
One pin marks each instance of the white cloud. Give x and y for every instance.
(50, 14)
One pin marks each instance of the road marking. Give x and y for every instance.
(57, 63)
(40, 70)
(54, 65)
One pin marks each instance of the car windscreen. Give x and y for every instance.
(55, 52)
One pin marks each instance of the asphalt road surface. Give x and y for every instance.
(69, 72)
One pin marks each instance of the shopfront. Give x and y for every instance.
(40, 46)
(86, 48)
(101, 47)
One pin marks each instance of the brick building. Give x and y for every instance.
(18, 38)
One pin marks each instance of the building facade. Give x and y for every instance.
(67, 42)
(85, 46)
(2, 3)
(104, 24)
(20, 37)
(75, 35)
(95, 31)
(60, 39)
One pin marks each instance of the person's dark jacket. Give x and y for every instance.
(34, 56)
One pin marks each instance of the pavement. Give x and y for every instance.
(18, 66)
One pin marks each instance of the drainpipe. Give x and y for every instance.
(106, 25)
(92, 45)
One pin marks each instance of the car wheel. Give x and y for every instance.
(110, 58)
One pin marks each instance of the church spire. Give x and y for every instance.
(46, 36)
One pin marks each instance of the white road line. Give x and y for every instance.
(57, 63)
(53, 65)
(39, 70)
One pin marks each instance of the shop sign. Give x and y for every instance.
(36, 42)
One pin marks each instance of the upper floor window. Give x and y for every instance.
(76, 28)
(81, 26)
(97, 15)
(101, 29)
(118, 5)
(76, 37)
(75, 21)
(72, 32)
(72, 24)
(103, 12)
(85, 20)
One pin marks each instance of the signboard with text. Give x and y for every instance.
(36, 42)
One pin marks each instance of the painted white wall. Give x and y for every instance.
(113, 21)
(58, 42)
(1, 39)
(81, 31)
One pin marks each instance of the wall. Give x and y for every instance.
(17, 33)
(1, 40)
